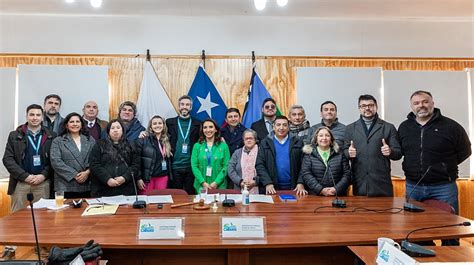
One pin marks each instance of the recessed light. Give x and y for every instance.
(260, 4)
(96, 3)
(282, 2)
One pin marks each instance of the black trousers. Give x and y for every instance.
(183, 178)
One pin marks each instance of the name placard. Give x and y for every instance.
(161, 228)
(390, 255)
(242, 227)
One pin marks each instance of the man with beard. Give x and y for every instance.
(433, 146)
(53, 120)
(329, 119)
(127, 115)
(279, 160)
(96, 126)
(264, 126)
(370, 143)
(184, 133)
(299, 125)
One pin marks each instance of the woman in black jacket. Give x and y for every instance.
(325, 170)
(155, 153)
(112, 162)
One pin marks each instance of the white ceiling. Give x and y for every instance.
(340, 9)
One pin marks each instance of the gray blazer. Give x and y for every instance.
(67, 161)
(234, 169)
(371, 174)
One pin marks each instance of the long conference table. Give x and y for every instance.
(308, 231)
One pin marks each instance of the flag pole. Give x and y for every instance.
(253, 59)
(203, 58)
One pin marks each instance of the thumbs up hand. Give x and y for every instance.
(386, 151)
(352, 150)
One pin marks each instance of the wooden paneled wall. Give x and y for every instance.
(230, 74)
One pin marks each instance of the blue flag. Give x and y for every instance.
(207, 103)
(257, 94)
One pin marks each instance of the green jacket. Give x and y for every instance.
(220, 156)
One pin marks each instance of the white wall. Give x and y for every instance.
(76, 84)
(7, 106)
(234, 35)
(341, 85)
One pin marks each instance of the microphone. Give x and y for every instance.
(228, 202)
(137, 204)
(415, 250)
(410, 207)
(30, 198)
(336, 203)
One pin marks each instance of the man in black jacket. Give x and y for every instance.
(27, 159)
(184, 133)
(264, 126)
(433, 146)
(279, 160)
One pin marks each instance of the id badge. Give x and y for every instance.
(36, 160)
(184, 149)
(163, 165)
(208, 171)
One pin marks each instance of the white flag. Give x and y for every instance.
(153, 99)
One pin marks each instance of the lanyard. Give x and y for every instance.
(162, 149)
(181, 130)
(208, 155)
(36, 147)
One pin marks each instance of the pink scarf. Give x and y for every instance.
(247, 163)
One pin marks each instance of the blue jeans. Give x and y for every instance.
(445, 192)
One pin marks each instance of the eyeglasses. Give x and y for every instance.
(269, 106)
(364, 106)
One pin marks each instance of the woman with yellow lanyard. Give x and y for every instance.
(209, 158)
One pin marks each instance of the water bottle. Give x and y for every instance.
(245, 196)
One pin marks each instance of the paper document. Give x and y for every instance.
(235, 197)
(132, 198)
(100, 210)
(44, 203)
(119, 200)
(261, 198)
(160, 199)
(93, 201)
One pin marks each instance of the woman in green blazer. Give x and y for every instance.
(209, 158)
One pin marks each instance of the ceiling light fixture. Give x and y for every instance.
(260, 4)
(96, 3)
(282, 2)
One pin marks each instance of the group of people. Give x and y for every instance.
(85, 156)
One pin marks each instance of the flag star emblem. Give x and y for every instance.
(206, 104)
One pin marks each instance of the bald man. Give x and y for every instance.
(95, 125)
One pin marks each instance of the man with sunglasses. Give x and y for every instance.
(370, 143)
(264, 126)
